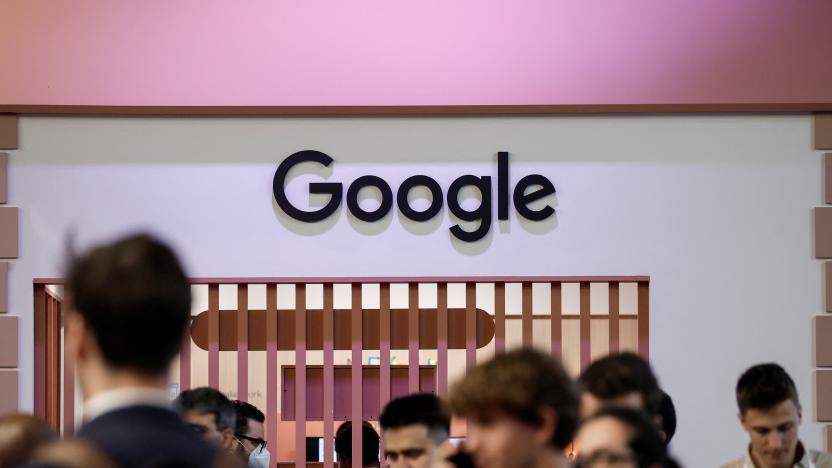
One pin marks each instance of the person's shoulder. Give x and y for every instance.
(821, 459)
(125, 434)
(738, 463)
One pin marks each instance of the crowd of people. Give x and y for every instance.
(129, 309)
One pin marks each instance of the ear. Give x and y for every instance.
(548, 425)
(741, 418)
(799, 414)
(76, 338)
(227, 439)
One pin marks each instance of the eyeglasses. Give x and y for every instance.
(259, 444)
(198, 428)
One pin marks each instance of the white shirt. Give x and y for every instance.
(112, 400)
(810, 459)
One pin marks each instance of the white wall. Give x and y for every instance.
(716, 209)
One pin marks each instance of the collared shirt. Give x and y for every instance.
(810, 459)
(112, 400)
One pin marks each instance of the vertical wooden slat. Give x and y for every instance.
(69, 391)
(615, 335)
(214, 335)
(470, 324)
(384, 343)
(500, 317)
(300, 375)
(586, 344)
(329, 375)
(643, 320)
(40, 351)
(271, 368)
(556, 320)
(242, 342)
(442, 337)
(527, 315)
(53, 382)
(357, 373)
(413, 338)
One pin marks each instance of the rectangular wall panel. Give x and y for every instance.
(4, 287)
(9, 219)
(8, 131)
(9, 332)
(823, 131)
(4, 178)
(823, 232)
(823, 390)
(8, 391)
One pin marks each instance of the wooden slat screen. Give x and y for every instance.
(510, 316)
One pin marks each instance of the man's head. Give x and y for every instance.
(769, 410)
(620, 437)
(413, 428)
(210, 413)
(521, 407)
(369, 448)
(624, 380)
(248, 432)
(20, 435)
(129, 306)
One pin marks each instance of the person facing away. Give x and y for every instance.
(521, 410)
(249, 435)
(128, 310)
(414, 429)
(369, 448)
(770, 412)
(210, 414)
(623, 438)
(622, 379)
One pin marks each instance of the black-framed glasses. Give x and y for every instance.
(198, 428)
(259, 444)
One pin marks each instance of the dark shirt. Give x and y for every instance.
(148, 436)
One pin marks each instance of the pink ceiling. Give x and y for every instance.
(426, 52)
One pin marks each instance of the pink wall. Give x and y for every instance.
(427, 52)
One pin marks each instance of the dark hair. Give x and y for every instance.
(645, 442)
(519, 384)
(22, 435)
(425, 409)
(134, 296)
(620, 374)
(667, 411)
(246, 411)
(764, 386)
(206, 400)
(369, 443)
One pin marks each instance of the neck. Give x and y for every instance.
(106, 379)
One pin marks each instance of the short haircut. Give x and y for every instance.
(20, 436)
(764, 386)
(667, 411)
(246, 411)
(519, 384)
(135, 297)
(369, 439)
(620, 374)
(206, 400)
(645, 442)
(424, 409)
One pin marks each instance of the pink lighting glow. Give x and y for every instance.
(428, 52)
